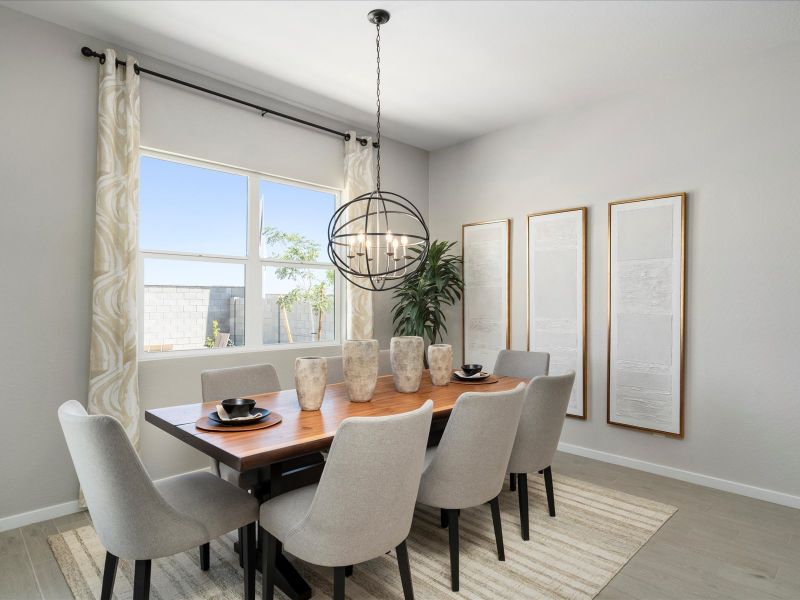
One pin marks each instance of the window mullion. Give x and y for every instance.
(253, 323)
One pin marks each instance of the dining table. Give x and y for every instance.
(290, 451)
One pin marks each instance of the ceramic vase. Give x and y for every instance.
(440, 363)
(360, 363)
(406, 355)
(310, 377)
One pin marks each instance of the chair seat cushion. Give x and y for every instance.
(283, 513)
(215, 503)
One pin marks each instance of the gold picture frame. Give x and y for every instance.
(583, 296)
(680, 198)
(508, 285)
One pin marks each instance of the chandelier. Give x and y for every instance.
(380, 238)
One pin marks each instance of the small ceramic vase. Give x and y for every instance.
(310, 378)
(440, 363)
(360, 364)
(406, 355)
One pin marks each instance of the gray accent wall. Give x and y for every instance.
(48, 107)
(730, 138)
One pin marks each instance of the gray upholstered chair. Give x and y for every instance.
(139, 520)
(462, 471)
(336, 370)
(543, 414)
(238, 382)
(363, 505)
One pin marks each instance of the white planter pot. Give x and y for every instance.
(406, 355)
(440, 363)
(310, 377)
(360, 364)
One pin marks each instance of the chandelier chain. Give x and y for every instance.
(378, 103)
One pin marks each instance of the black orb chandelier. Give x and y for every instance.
(378, 239)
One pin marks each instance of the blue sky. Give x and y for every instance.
(184, 208)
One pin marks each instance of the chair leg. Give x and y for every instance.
(443, 518)
(269, 555)
(348, 570)
(405, 571)
(522, 482)
(141, 580)
(338, 583)
(498, 528)
(241, 552)
(548, 485)
(249, 552)
(512, 482)
(452, 518)
(109, 574)
(205, 556)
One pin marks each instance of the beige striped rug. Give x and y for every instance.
(574, 555)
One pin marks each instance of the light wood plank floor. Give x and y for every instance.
(718, 545)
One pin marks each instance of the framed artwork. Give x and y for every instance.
(557, 296)
(646, 291)
(486, 250)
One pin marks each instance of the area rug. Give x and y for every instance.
(572, 556)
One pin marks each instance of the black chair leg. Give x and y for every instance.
(348, 570)
(405, 571)
(109, 574)
(205, 556)
(498, 528)
(443, 518)
(338, 583)
(548, 486)
(141, 580)
(522, 483)
(512, 482)
(241, 552)
(269, 555)
(249, 552)
(452, 519)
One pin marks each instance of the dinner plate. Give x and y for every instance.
(478, 376)
(214, 418)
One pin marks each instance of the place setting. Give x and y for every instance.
(238, 414)
(472, 374)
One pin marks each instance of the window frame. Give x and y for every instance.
(252, 261)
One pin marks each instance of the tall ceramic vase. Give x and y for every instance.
(310, 378)
(360, 363)
(406, 355)
(440, 363)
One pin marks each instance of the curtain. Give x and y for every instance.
(358, 179)
(113, 385)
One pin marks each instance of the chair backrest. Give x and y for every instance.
(468, 467)
(125, 506)
(543, 414)
(365, 500)
(235, 382)
(336, 369)
(518, 363)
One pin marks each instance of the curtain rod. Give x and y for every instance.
(89, 53)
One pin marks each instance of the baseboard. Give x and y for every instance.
(56, 510)
(689, 476)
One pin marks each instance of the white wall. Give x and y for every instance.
(47, 156)
(729, 139)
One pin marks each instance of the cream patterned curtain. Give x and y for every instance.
(113, 385)
(358, 179)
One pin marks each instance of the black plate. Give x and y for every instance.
(214, 418)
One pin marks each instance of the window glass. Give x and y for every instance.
(299, 305)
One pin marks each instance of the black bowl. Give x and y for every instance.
(470, 370)
(238, 407)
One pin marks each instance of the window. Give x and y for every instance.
(232, 258)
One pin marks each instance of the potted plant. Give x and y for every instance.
(420, 299)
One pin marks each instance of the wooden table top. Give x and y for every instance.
(303, 432)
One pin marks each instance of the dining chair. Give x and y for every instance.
(238, 382)
(543, 415)
(362, 506)
(519, 363)
(336, 368)
(138, 519)
(461, 472)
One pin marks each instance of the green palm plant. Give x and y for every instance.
(422, 296)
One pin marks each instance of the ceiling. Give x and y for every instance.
(450, 70)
